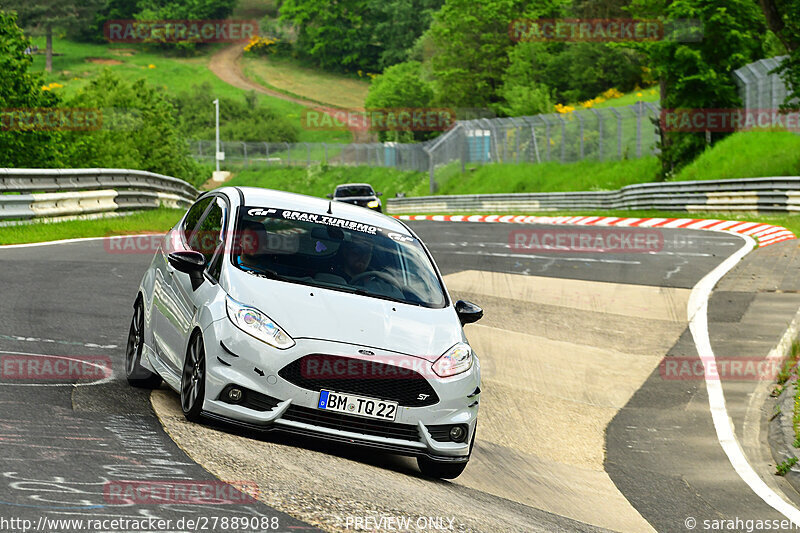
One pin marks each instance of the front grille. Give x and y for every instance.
(409, 389)
(355, 424)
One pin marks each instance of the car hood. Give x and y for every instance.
(350, 318)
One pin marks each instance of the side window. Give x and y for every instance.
(193, 217)
(208, 234)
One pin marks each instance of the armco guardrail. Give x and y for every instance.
(780, 194)
(46, 193)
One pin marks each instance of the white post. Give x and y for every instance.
(216, 104)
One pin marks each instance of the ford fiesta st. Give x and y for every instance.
(279, 311)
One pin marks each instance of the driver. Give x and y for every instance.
(252, 238)
(353, 258)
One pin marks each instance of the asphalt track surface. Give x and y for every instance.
(62, 444)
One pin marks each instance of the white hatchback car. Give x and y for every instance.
(282, 311)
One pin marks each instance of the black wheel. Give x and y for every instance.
(193, 380)
(138, 376)
(440, 470)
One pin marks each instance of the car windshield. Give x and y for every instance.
(340, 254)
(354, 190)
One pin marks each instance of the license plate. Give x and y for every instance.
(357, 405)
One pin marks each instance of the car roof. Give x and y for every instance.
(259, 197)
(354, 185)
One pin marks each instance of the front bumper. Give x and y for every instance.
(235, 358)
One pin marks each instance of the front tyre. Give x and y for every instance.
(193, 379)
(137, 375)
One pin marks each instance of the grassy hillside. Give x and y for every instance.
(77, 63)
(746, 155)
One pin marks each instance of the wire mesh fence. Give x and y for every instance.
(608, 133)
(611, 133)
(759, 87)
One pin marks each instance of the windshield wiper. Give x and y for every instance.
(265, 273)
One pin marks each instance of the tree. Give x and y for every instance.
(783, 19)
(400, 86)
(398, 24)
(21, 90)
(143, 133)
(45, 15)
(698, 75)
(471, 42)
(336, 35)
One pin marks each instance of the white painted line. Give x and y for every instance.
(20, 338)
(548, 257)
(697, 310)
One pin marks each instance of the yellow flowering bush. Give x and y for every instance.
(261, 45)
(563, 109)
(51, 86)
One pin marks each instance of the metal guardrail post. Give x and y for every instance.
(580, 120)
(600, 156)
(546, 134)
(638, 108)
(288, 154)
(563, 138)
(619, 132)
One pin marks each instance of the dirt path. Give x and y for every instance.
(226, 65)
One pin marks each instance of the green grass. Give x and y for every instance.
(649, 94)
(321, 180)
(80, 62)
(746, 155)
(289, 76)
(585, 175)
(155, 221)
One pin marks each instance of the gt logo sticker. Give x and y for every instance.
(258, 212)
(400, 238)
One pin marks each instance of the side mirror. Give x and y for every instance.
(189, 262)
(378, 194)
(329, 196)
(468, 312)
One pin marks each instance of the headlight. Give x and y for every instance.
(456, 360)
(374, 203)
(255, 323)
